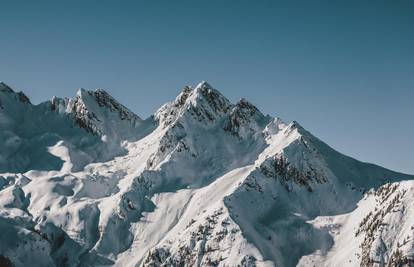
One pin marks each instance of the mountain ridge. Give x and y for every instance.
(202, 182)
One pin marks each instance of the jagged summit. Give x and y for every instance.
(209, 100)
(202, 103)
(104, 99)
(204, 85)
(99, 113)
(203, 182)
(200, 93)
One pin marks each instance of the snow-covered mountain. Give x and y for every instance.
(203, 182)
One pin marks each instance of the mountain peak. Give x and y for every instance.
(209, 99)
(81, 92)
(203, 85)
(202, 94)
(97, 111)
(103, 99)
(202, 103)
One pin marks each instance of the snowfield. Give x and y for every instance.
(203, 182)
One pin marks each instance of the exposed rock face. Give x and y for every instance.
(280, 167)
(245, 119)
(85, 118)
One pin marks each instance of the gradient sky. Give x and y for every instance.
(344, 71)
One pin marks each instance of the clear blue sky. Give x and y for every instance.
(344, 71)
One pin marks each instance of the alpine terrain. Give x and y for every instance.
(202, 182)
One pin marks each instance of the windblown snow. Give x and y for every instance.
(203, 182)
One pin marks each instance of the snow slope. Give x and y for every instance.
(203, 182)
